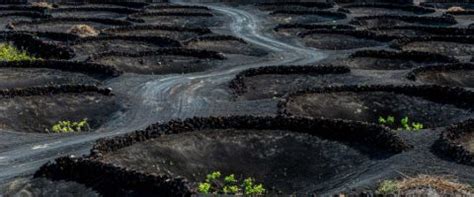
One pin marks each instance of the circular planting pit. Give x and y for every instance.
(162, 61)
(97, 71)
(433, 106)
(463, 16)
(393, 60)
(342, 39)
(306, 17)
(295, 6)
(190, 19)
(461, 75)
(16, 8)
(175, 32)
(414, 31)
(287, 155)
(92, 12)
(37, 109)
(31, 77)
(295, 28)
(62, 25)
(371, 22)
(7, 18)
(276, 81)
(129, 4)
(440, 4)
(461, 47)
(457, 142)
(224, 44)
(368, 9)
(34, 46)
(123, 44)
(166, 7)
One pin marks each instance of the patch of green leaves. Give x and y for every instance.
(405, 123)
(214, 184)
(10, 53)
(204, 188)
(390, 120)
(70, 126)
(251, 188)
(387, 187)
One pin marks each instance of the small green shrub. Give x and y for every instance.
(390, 120)
(387, 187)
(10, 53)
(204, 188)
(404, 123)
(70, 126)
(250, 188)
(230, 185)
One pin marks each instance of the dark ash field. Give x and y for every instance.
(320, 98)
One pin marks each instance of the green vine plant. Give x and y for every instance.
(387, 187)
(67, 126)
(10, 53)
(214, 184)
(405, 123)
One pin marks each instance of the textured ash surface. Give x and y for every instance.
(37, 113)
(58, 26)
(460, 78)
(283, 160)
(338, 42)
(460, 50)
(155, 64)
(31, 77)
(369, 106)
(163, 97)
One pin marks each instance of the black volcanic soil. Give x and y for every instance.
(460, 78)
(368, 10)
(372, 21)
(282, 160)
(414, 31)
(45, 187)
(390, 60)
(38, 113)
(338, 41)
(95, 46)
(88, 12)
(180, 18)
(226, 46)
(275, 85)
(463, 51)
(308, 19)
(468, 142)
(58, 25)
(174, 32)
(7, 18)
(30, 77)
(369, 106)
(157, 64)
(457, 143)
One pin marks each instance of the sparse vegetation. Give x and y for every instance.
(70, 126)
(405, 123)
(44, 5)
(83, 30)
(230, 185)
(456, 9)
(440, 184)
(387, 187)
(10, 53)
